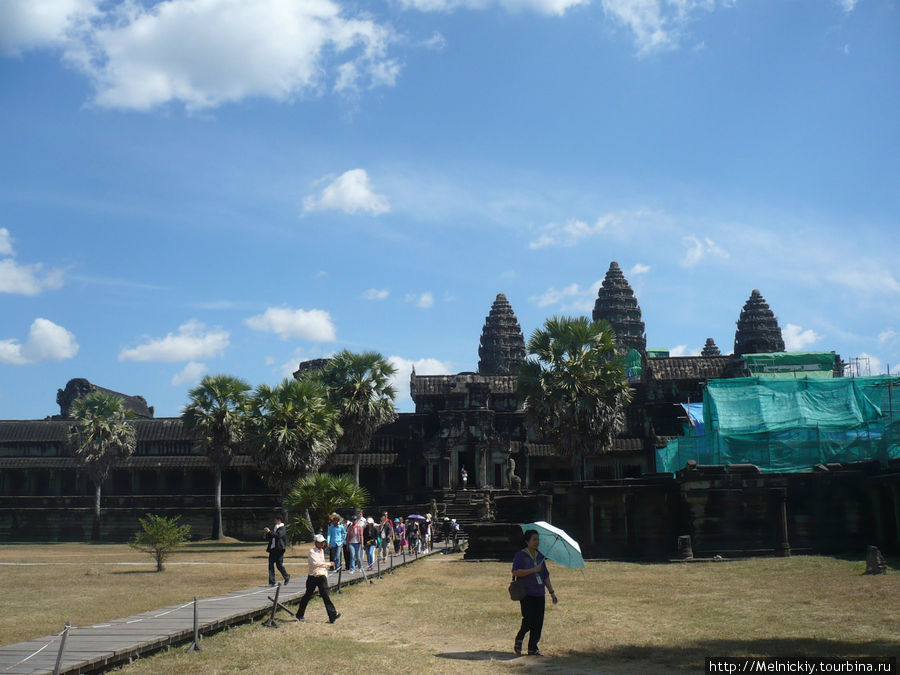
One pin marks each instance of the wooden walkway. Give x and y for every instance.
(105, 645)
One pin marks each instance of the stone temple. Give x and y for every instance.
(470, 420)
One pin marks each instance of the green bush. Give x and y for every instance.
(159, 536)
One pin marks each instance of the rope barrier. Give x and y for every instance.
(32, 655)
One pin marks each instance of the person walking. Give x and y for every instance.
(337, 533)
(318, 579)
(386, 533)
(428, 531)
(354, 542)
(398, 536)
(463, 477)
(370, 537)
(530, 566)
(277, 543)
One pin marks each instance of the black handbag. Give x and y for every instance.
(516, 589)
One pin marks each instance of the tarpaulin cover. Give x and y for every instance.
(792, 425)
(791, 364)
(694, 412)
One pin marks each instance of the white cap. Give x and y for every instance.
(453, 520)
(370, 521)
(319, 538)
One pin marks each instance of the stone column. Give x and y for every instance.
(895, 498)
(784, 546)
(446, 472)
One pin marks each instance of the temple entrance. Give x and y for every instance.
(498, 475)
(435, 477)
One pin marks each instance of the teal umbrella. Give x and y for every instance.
(556, 545)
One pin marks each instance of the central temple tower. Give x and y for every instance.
(502, 350)
(617, 305)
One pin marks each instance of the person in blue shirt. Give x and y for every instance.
(530, 566)
(337, 533)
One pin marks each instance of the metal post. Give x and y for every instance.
(196, 646)
(403, 555)
(62, 648)
(378, 564)
(271, 622)
(340, 572)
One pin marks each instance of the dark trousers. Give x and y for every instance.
(532, 621)
(276, 559)
(312, 583)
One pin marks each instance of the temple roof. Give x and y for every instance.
(689, 368)
(79, 386)
(456, 384)
(757, 328)
(502, 350)
(54, 431)
(710, 348)
(616, 304)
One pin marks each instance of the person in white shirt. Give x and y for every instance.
(318, 578)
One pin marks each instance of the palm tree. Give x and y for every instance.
(100, 435)
(359, 386)
(292, 431)
(574, 387)
(321, 494)
(215, 416)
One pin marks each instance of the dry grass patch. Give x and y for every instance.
(87, 584)
(449, 616)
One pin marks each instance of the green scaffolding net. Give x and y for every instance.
(789, 425)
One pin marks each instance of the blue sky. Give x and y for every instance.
(234, 186)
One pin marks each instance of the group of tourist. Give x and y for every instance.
(349, 539)
(413, 534)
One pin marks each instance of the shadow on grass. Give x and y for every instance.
(691, 656)
(482, 655)
(153, 571)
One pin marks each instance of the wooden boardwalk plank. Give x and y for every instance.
(111, 643)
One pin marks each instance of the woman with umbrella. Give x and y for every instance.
(530, 566)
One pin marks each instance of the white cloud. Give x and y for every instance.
(682, 350)
(404, 368)
(313, 324)
(6, 247)
(46, 341)
(864, 276)
(886, 336)
(376, 294)
(638, 269)
(190, 374)
(436, 42)
(204, 53)
(192, 341)
(572, 298)
(27, 279)
(424, 300)
(351, 192)
(796, 339)
(848, 5)
(553, 7)
(23, 279)
(570, 232)
(658, 25)
(697, 249)
(30, 24)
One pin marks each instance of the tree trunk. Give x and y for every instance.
(356, 463)
(95, 529)
(217, 520)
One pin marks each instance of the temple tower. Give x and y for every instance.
(617, 305)
(757, 328)
(710, 348)
(502, 350)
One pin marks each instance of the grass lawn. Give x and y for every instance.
(444, 615)
(85, 585)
